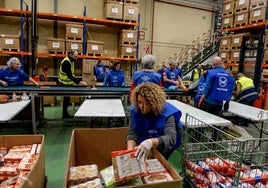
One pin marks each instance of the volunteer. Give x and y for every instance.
(197, 73)
(115, 77)
(155, 123)
(245, 94)
(219, 87)
(12, 75)
(66, 78)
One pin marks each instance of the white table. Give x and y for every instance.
(201, 115)
(249, 112)
(109, 108)
(11, 109)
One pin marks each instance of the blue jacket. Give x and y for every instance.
(172, 75)
(14, 78)
(200, 88)
(154, 127)
(143, 76)
(99, 71)
(114, 79)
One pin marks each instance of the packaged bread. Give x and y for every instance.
(157, 177)
(96, 183)
(82, 174)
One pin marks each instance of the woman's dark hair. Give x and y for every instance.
(115, 64)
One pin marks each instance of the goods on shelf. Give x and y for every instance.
(257, 3)
(74, 45)
(113, 10)
(235, 55)
(94, 48)
(227, 21)
(225, 43)
(9, 42)
(128, 37)
(88, 65)
(228, 7)
(257, 15)
(241, 6)
(130, 12)
(55, 45)
(225, 55)
(126, 50)
(74, 32)
(241, 18)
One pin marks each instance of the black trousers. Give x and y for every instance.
(66, 102)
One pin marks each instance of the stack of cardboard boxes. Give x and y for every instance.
(127, 43)
(9, 42)
(74, 37)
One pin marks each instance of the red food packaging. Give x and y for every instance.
(199, 178)
(194, 167)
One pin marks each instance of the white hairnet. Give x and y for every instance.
(148, 61)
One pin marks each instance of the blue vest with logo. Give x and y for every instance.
(99, 71)
(143, 76)
(223, 84)
(200, 88)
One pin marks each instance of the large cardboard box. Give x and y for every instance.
(94, 146)
(95, 47)
(125, 50)
(225, 43)
(113, 10)
(74, 31)
(257, 15)
(37, 174)
(228, 7)
(228, 21)
(241, 18)
(55, 44)
(74, 45)
(241, 5)
(9, 42)
(88, 65)
(130, 12)
(128, 36)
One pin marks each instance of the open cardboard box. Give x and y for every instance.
(94, 146)
(37, 175)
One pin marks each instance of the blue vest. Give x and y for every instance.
(99, 71)
(172, 75)
(115, 79)
(143, 76)
(200, 88)
(154, 127)
(223, 85)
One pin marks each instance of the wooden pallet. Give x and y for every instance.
(56, 52)
(131, 2)
(10, 49)
(227, 27)
(240, 24)
(74, 38)
(126, 56)
(128, 43)
(227, 13)
(236, 47)
(258, 5)
(130, 21)
(256, 21)
(240, 10)
(94, 54)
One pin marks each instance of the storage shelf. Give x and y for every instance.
(247, 27)
(49, 55)
(64, 17)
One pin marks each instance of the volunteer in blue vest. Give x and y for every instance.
(100, 70)
(115, 77)
(147, 74)
(245, 94)
(13, 75)
(219, 88)
(172, 76)
(66, 77)
(155, 123)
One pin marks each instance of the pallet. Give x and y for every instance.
(234, 61)
(258, 5)
(113, 1)
(130, 21)
(227, 27)
(126, 56)
(240, 10)
(240, 24)
(225, 48)
(94, 54)
(56, 52)
(75, 38)
(10, 49)
(227, 13)
(256, 21)
(114, 19)
(236, 47)
(131, 2)
(127, 43)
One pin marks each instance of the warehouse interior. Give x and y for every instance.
(192, 32)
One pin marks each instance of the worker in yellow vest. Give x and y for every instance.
(245, 94)
(197, 73)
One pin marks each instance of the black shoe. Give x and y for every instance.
(67, 116)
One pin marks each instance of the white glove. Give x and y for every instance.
(144, 149)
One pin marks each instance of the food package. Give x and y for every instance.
(157, 177)
(96, 183)
(82, 174)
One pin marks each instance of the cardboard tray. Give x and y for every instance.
(94, 146)
(37, 174)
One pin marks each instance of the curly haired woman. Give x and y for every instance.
(155, 123)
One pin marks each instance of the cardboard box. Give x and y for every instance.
(37, 174)
(257, 15)
(95, 47)
(130, 12)
(241, 19)
(55, 44)
(94, 146)
(228, 7)
(127, 50)
(224, 55)
(113, 10)
(235, 55)
(74, 45)
(256, 3)
(89, 78)
(9, 42)
(237, 40)
(228, 21)
(225, 42)
(88, 65)
(74, 31)
(128, 36)
(241, 5)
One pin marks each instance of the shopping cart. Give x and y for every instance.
(214, 158)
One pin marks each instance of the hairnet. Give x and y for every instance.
(148, 61)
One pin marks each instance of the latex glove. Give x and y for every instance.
(226, 106)
(143, 149)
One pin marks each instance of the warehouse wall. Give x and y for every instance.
(167, 27)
